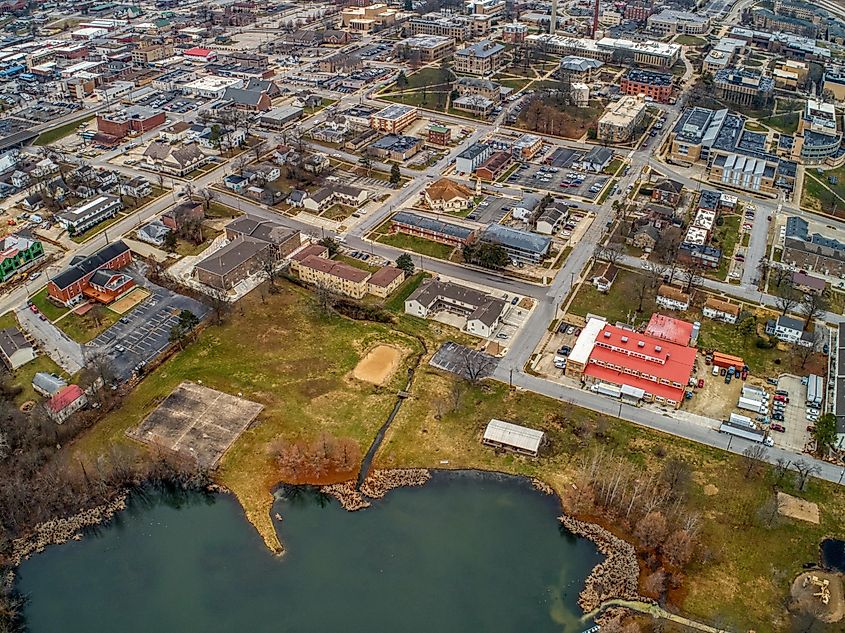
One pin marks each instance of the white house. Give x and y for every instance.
(721, 310)
(789, 330)
(671, 298)
(604, 280)
(66, 402)
(330, 195)
(15, 349)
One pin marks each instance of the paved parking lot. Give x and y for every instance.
(464, 361)
(491, 210)
(145, 331)
(795, 421)
(526, 176)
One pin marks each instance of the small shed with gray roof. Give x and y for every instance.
(513, 437)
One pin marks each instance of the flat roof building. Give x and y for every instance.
(617, 125)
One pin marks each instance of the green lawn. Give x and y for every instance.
(396, 301)
(725, 237)
(356, 263)
(96, 229)
(23, 377)
(427, 77)
(49, 310)
(817, 189)
(186, 248)
(57, 133)
(297, 361)
(613, 167)
(618, 304)
(417, 245)
(84, 328)
(690, 40)
(786, 123)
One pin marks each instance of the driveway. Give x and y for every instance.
(67, 353)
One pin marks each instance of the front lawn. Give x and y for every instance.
(57, 133)
(417, 245)
(725, 237)
(619, 303)
(85, 328)
(47, 307)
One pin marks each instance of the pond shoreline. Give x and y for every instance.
(615, 578)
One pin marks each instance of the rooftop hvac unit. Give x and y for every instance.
(641, 344)
(624, 339)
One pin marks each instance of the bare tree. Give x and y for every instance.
(813, 306)
(207, 195)
(220, 306)
(642, 288)
(806, 352)
(787, 298)
(752, 458)
(655, 271)
(692, 276)
(475, 365)
(805, 470)
(611, 253)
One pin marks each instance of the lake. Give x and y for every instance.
(466, 552)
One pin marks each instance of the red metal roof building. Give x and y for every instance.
(66, 401)
(623, 357)
(197, 52)
(669, 329)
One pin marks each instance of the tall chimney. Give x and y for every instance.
(553, 23)
(595, 18)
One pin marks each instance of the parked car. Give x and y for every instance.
(777, 427)
(780, 398)
(772, 381)
(570, 329)
(781, 392)
(722, 371)
(778, 417)
(565, 350)
(715, 370)
(701, 383)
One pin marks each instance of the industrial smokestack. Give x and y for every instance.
(595, 18)
(553, 23)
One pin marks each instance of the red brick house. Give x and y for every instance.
(181, 213)
(136, 119)
(78, 280)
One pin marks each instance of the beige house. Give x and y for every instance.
(446, 195)
(385, 280)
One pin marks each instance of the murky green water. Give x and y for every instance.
(463, 553)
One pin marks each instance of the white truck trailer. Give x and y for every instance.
(606, 389)
(750, 404)
(755, 435)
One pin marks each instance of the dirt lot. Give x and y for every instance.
(197, 422)
(796, 508)
(378, 365)
(129, 301)
(804, 598)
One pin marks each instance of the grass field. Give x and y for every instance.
(726, 237)
(417, 245)
(49, 310)
(820, 193)
(58, 133)
(296, 361)
(690, 40)
(620, 302)
(24, 374)
(96, 229)
(85, 328)
(786, 123)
